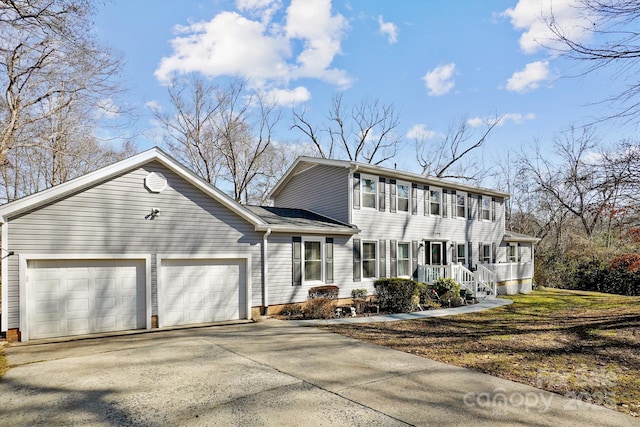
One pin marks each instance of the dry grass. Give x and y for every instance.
(578, 344)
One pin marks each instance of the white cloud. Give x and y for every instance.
(153, 105)
(439, 81)
(109, 109)
(531, 17)
(516, 118)
(530, 78)
(421, 132)
(289, 97)
(389, 29)
(261, 51)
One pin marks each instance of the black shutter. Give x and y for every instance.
(454, 252)
(356, 191)
(297, 260)
(493, 209)
(393, 248)
(470, 254)
(383, 259)
(381, 195)
(445, 204)
(494, 252)
(427, 206)
(328, 260)
(392, 197)
(414, 259)
(357, 261)
(469, 206)
(414, 199)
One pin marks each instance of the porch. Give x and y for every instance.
(485, 281)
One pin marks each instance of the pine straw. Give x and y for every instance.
(578, 344)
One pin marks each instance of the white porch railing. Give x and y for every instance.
(511, 270)
(480, 283)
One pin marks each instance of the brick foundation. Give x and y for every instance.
(13, 335)
(154, 322)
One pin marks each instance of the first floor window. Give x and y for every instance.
(461, 253)
(312, 261)
(403, 260)
(485, 255)
(512, 255)
(369, 259)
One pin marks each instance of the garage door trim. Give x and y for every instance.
(246, 258)
(24, 291)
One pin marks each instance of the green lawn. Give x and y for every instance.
(578, 344)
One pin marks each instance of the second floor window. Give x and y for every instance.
(486, 209)
(434, 202)
(403, 197)
(369, 194)
(460, 206)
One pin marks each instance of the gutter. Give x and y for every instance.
(265, 271)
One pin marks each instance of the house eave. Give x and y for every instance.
(289, 229)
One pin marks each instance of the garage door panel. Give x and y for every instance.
(84, 296)
(209, 290)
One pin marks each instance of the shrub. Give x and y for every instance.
(446, 285)
(395, 295)
(292, 310)
(451, 299)
(320, 308)
(358, 293)
(328, 291)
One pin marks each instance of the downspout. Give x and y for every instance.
(265, 271)
(352, 170)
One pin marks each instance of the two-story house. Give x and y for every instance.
(145, 243)
(409, 226)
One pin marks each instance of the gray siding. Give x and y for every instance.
(110, 219)
(321, 189)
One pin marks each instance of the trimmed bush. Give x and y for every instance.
(358, 293)
(395, 295)
(320, 308)
(446, 285)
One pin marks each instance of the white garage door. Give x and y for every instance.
(72, 297)
(201, 290)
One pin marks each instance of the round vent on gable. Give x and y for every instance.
(155, 182)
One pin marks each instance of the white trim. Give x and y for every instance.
(5, 276)
(440, 202)
(214, 257)
(409, 247)
(24, 290)
(376, 260)
(322, 242)
(465, 202)
(376, 182)
(408, 185)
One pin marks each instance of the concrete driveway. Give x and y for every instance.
(264, 373)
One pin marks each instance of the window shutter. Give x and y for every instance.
(328, 260)
(479, 207)
(357, 261)
(414, 199)
(383, 259)
(297, 261)
(356, 191)
(392, 197)
(494, 252)
(393, 249)
(480, 252)
(519, 253)
(445, 203)
(494, 204)
(470, 254)
(381, 195)
(469, 206)
(427, 206)
(414, 258)
(454, 252)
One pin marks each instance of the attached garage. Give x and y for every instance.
(74, 297)
(192, 291)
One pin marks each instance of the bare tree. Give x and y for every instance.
(612, 41)
(446, 158)
(222, 133)
(48, 54)
(366, 134)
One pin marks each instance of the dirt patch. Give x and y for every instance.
(579, 344)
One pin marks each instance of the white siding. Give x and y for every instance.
(321, 189)
(109, 218)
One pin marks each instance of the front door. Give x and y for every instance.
(435, 254)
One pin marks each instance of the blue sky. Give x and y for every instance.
(435, 61)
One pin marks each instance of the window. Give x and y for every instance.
(312, 261)
(403, 197)
(435, 253)
(434, 197)
(460, 206)
(486, 209)
(461, 253)
(404, 260)
(369, 194)
(485, 254)
(512, 253)
(369, 259)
